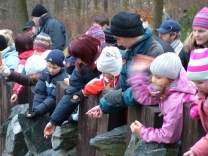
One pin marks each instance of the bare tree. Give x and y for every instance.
(157, 15)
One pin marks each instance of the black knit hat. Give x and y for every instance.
(38, 10)
(125, 24)
(108, 36)
(56, 56)
(3, 43)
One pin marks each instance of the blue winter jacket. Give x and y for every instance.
(77, 82)
(10, 58)
(45, 91)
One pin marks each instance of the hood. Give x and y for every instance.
(9, 51)
(182, 84)
(25, 54)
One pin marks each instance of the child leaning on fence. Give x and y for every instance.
(170, 88)
(45, 90)
(198, 72)
(110, 64)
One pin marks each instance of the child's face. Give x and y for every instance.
(201, 85)
(160, 82)
(53, 68)
(35, 76)
(108, 76)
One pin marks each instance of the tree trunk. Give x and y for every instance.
(157, 13)
(23, 13)
(96, 4)
(126, 4)
(106, 5)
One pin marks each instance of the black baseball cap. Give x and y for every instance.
(29, 24)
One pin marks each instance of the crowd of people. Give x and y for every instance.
(120, 58)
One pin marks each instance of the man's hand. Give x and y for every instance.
(136, 127)
(4, 70)
(49, 130)
(95, 112)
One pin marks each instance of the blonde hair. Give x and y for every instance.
(189, 43)
(8, 34)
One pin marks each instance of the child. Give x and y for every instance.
(198, 72)
(45, 90)
(170, 88)
(42, 46)
(110, 64)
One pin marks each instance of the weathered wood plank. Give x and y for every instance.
(60, 90)
(192, 130)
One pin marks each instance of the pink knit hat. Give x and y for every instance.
(96, 32)
(198, 65)
(201, 19)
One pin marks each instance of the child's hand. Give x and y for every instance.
(49, 130)
(108, 87)
(194, 112)
(141, 63)
(136, 127)
(95, 112)
(189, 153)
(13, 98)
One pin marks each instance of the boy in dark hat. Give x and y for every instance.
(54, 28)
(127, 28)
(45, 90)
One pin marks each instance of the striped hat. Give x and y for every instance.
(42, 42)
(201, 19)
(198, 65)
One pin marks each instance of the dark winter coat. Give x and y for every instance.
(45, 91)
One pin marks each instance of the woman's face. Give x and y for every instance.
(160, 82)
(200, 36)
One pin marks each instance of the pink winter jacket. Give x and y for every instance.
(201, 147)
(179, 92)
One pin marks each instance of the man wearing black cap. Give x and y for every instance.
(169, 31)
(54, 28)
(30, 29)
(127, 28)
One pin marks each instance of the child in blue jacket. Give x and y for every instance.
(45, 90)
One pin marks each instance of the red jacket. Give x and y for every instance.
(18, 89)
(97, 85)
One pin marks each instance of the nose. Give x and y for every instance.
(153, 79)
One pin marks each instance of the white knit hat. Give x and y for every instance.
(166, 65)
(34, 64)
(110, 61)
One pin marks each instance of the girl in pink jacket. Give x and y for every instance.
(198, 72)
(170, 88)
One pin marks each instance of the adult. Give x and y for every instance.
(165, 15)
(185, 20)
(129, 32)
(198, 38)
(169, 31)
(54, 28)
(30, 29)
(101, 21)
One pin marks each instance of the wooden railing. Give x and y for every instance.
(89, 128)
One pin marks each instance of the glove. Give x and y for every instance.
(114, 97)
(194, 112)
(78, 97)
(31, 115)
(4, 70)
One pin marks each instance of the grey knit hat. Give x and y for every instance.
(166, 65)
(125, 24)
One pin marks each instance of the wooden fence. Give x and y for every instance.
(89, 128)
